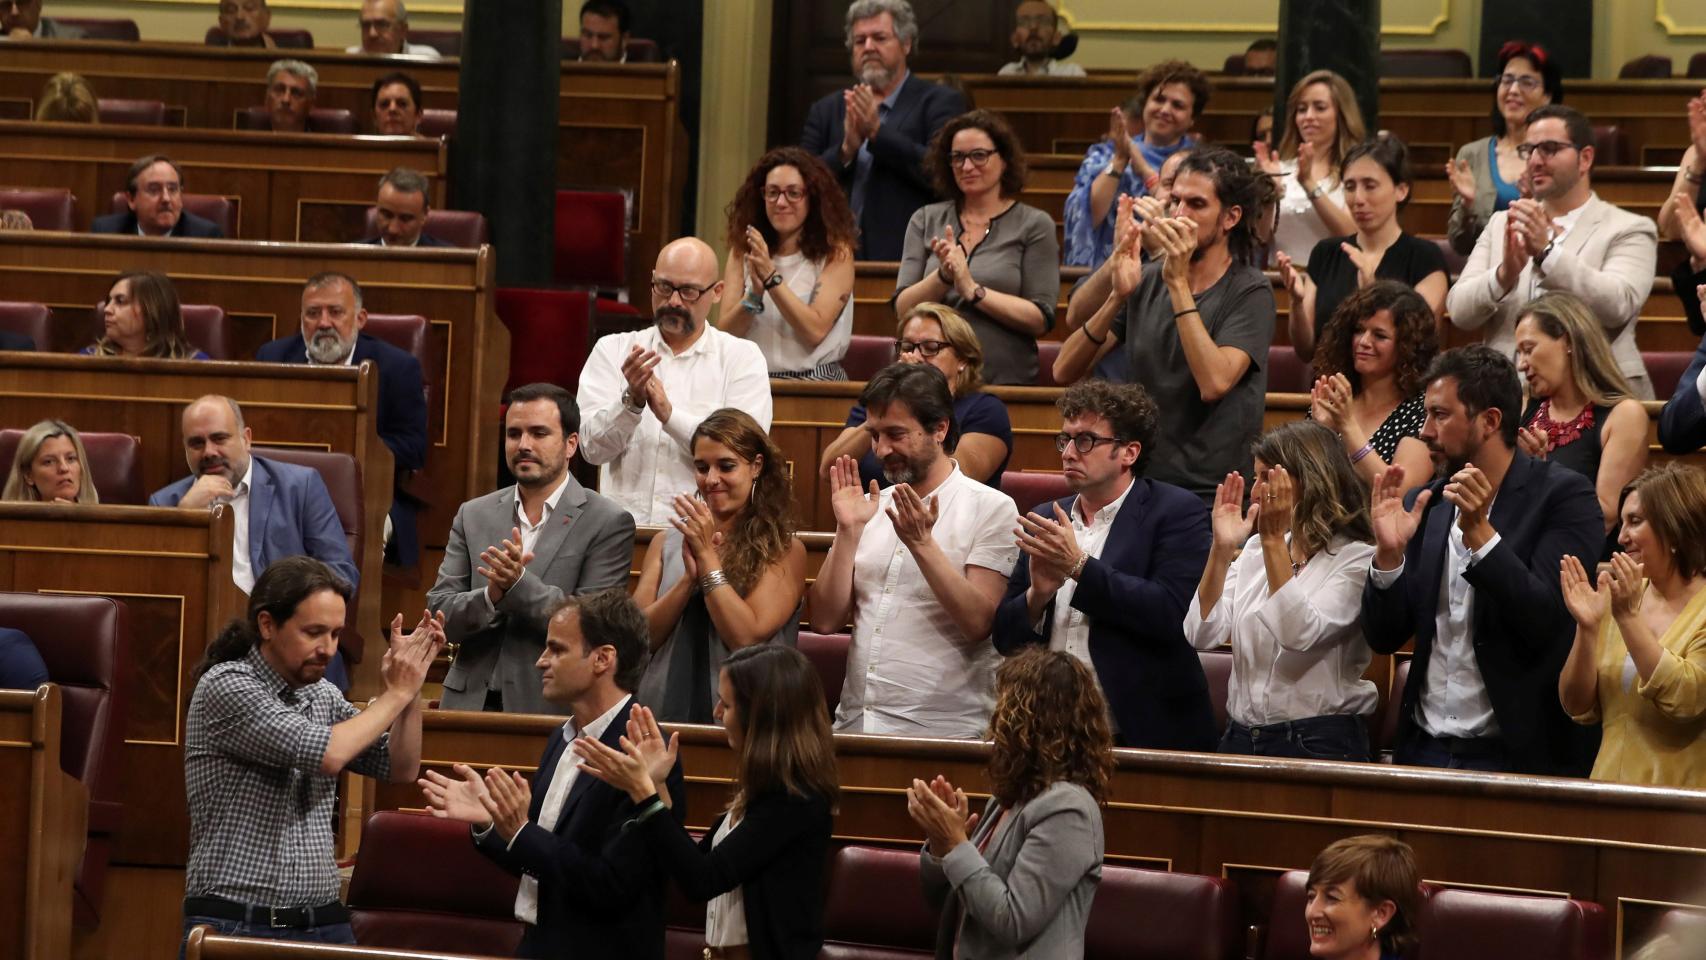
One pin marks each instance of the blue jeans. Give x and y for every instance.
(1423, 749)
(1333, 737)
(326, 933)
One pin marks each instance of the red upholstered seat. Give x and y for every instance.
(320, 120)
(1610, 146)
(1189, 917)
(1649, 67)
(419, 884)
(550, 335)
(33, 320)
(1234, 65)
(1425, 63)
(342, 475)
(1032, 489)
(591, 239)
(103, 28)
(1217, 670)
(49, 208)
(448, 43)
(876, 908)
(1454, 261)
(1047, 351)
(150, 113)
(85, 642)
(208, 206)
(283, 39)
(1666, 368)
(461, 228)
(866, 354)
(1477, 925)
(208, 327)
(1385, 720)
(438, 123)
(828, 654)
(1288, 932)
(1286, 372)
(115, 463)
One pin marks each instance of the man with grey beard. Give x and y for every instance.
(332, 321)
(642, 394)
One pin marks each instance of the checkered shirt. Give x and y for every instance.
(261, 813)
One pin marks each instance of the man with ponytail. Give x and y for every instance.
(266, 739)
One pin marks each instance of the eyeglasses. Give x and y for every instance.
(925, 348)
(1526, 82)
(1083, 442)
(663, 290)
(794, 194)
(1546, 148)
(978, 158)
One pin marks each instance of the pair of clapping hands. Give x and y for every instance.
(913, 516)
(1143, 222)
(941, 810)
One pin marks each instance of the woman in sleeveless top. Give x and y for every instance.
(1322, 123)
(728, 573)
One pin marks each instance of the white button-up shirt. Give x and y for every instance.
(645, 463)
(242, 570)
(909, 670)
(1071, 629)
(1297, 653)
(1454, 701)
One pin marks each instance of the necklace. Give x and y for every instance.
(1562, 434)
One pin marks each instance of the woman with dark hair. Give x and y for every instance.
(982, 252)
(759, 867)
(1364, 897)
(1289, 600)
(50, 466)
(791, 237)
(142, 319)
(1323, 123)
(737, 533)
(1368, 369)
(1022, 875)
(1638, 666)
(1377, 186)
(1487, 174)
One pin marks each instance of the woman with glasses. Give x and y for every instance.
(1323, 122)
(1487, 174)
(141, 318)
(791, 237)
(934, 334)
(1283, 585)
(981, 251)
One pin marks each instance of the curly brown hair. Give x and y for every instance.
(1126, 406)
(1006, 142)
(829, 228)
(1416, 339)
(1050, 725)
(765, 530)
(1169, 72)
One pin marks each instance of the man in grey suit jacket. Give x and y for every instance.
(540, 540)
(1565, 238)
(23, 21)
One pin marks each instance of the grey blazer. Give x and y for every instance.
(1466, 223)
(1028, 893)
(586, 546)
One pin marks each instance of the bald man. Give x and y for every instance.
(643, 393)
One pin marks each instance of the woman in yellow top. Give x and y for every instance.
(1639, 660)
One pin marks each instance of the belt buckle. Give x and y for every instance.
(273, 921)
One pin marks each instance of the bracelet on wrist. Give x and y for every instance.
(1691, 175)
(1363, 451)
(1085, 329)
(1316, 192)
(1078, 568)
(1150, 182)
(1187, 312)
(712, 580)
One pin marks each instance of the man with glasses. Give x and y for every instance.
(22, 20)
(1035, 35)
(644, 392)
(154, 189)
(1106, 573)
(1563, 238)
(385, 31)
(874, 134)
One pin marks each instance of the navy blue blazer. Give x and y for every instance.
(21, 666)
(188, 225)
(290, 514)
(1682, 424)
(402, 420)
(1136, 594)
(899, 184)
(1522, 629)
(426, 240)
(591, 902)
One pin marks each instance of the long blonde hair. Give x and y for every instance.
(1563, 316)
(67, 98)
(19, 488)
(1349, 129)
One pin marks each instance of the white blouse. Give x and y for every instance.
(1300, 227)
(780, 343)
(1298, 653)
(725, 915)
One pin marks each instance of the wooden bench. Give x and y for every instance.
(42, 834)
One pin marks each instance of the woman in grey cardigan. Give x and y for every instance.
(1484, 177)
(993, 259)
(1019, 880)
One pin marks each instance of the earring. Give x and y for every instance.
(1374, 932)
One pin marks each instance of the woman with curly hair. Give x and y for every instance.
(1022, 876)
(141, 318)
(738, 532)
(993, 259)
(1289, 600)
(791, 238)
(1364, 895)
(1368, 379)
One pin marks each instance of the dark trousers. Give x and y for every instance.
(1422, 749)
(1334, 737)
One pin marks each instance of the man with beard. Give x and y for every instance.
(1035, 34)
(1468, 566)
(604, 31)
(1195, 323)
(542, 540)
(332, 322)
(874, 134)
(1108, 573)
(918, 568)
(1563, 238)
(644, 392)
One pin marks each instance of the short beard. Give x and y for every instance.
(914, 470)
(876, 76)
(328, 348)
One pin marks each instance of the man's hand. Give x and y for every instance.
(1148, 209)
(503, 565)
(1051, 545)
(913, 517)
(1472, 493)
(1178, 239)
(637, 370)
(1516, 255)
(1534, 224)
(850, 505)
(456, 799)
(407, 659)
(207, 489)
(506, 800)
(1393, 525)
(657, 399)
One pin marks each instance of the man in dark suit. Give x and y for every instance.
(1682, 425)
(21, 665)
(1478, 589)
(575, 898)
(22, 20)
(403, 209)
(1106, 574)
(332, 321)
(873, 135)
(155, 191)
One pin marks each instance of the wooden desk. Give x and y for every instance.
(46, 823)
(286, 186)
(172, 569)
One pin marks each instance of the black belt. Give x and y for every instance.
(275, 917)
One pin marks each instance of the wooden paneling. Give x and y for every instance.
(42, 834)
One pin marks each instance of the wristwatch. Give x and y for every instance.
(1318, 191)
(977, 295)
(774, 281)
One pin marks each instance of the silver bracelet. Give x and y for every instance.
(713, 580)
(1078, 568)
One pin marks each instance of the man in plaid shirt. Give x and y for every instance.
(266, 739)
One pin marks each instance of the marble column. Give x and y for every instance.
(504, 155)
(1338, 35)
